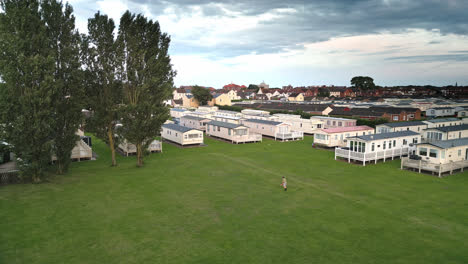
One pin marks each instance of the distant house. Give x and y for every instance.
(446, 133)
(331, 122)
(383, 146)
(440, 111)
(296, 97)
(194, 122)
(442, 122)
(336, 137)
(189, 101)
(308, 126)
(235, 133)
(182, 135)
(222, 99)
(439, 156)
(416, 126)
(274, 129)
(232, 94)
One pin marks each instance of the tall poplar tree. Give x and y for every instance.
(102, 87)
(26, 100)
(64, 42)
(146, 74)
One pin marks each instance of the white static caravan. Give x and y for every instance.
(332, 122)
(195, 122)
(336, 137)
(227, 113)
(182, 135)
(381, 146)
(81, 151)
(129, 148)
(442, 122)
(439, 156)
(416, 126)
(178, 112)
(446, 133)
(207, 108)
(308, 126)
(228, 119)
(277, 130)
(254, 112)
(236, 133)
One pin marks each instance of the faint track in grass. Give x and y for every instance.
(412, 219)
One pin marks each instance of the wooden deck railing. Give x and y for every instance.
(373, 156)
(439, 168)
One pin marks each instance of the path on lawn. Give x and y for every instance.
(413, 219)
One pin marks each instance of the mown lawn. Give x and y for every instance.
(223, 204)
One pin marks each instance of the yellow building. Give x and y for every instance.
(297, 97)
(222, 99)
(189, 101)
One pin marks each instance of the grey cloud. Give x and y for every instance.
(431, 58)
(317, 20)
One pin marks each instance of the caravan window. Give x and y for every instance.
(433, 153)
(423, 151)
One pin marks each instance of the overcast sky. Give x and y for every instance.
(300, 42)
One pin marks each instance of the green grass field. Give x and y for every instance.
(223, 204)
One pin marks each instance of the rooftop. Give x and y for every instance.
(178, 128)
(451, 128)
(346, 129)
(441, 120)
(404, 124)
(268, 122)
(387, 135)
(333, 118)
(445, 144)
(224, 124)
(193, 117)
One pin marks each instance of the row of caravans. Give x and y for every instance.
(437, 146)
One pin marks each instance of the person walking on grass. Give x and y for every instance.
(284, 183)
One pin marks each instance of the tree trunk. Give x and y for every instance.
(112, 147)
(59, 167)
(139, 155)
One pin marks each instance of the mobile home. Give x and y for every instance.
(182, 135)
(439, 157)
(336, 137)
(383, 146)
(446, 133)
(128, 148)
(235, 133)
(274, 129)
(195, 122)
(332, 122)
(416, 126)
(308, 126)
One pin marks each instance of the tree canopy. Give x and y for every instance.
(364, 83)
(145, 71)
(202, 94)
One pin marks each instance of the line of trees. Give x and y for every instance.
(49, 72)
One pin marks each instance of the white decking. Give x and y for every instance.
(422, 165)
(368, 157)
(293, 135)
(129, 148)
(238, 139)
